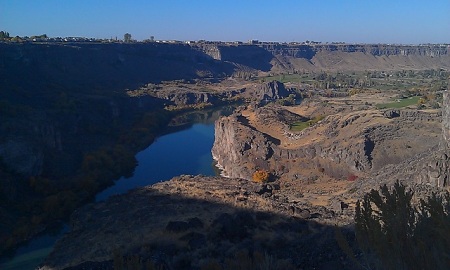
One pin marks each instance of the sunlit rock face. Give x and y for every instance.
(438, 170)
(446, 118)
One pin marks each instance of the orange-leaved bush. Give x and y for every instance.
(260, 176)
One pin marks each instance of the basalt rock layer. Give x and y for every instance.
(342, 57)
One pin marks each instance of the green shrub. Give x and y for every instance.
(401, 236)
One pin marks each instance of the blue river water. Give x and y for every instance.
(186, 151)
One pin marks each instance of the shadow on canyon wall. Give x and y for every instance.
(69, 128)
(90, 68)
(251, 56)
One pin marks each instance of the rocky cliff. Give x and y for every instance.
(431, 167)
(340, 145)
(269, 91)
(446, 118)
(63, 106)
(307, 51)
(103, 66)
(179, 96)
(54, 95)
(343, 57)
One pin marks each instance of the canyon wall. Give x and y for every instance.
(108, 67)
(307, 51)
(275, 57)
(340, 146)
(53, 94)
(446, 117)
(115, 67)
(434, 166)
(240, 150)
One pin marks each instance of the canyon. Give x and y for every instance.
(74, 116)
(214, 218)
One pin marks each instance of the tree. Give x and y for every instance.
(127, 37)
(400, 235)
(4, 35)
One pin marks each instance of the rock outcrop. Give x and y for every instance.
(189, 220)
(183, 97)
(268, 91)
(432, 167)
(340, 145)
(190, 94)
(238, 148)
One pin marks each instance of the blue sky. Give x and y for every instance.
(365, 21)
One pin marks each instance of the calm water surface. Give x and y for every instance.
(182, 152)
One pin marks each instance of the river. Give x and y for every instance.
(186, 149)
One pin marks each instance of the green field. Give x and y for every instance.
(293, 78)
(399, 103)
(432, 80)
(299, 126)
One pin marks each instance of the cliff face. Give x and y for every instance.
(57, 99)
(237, 148)
(102, 66)
(53, 94)
(88, 68)
(446, 118)
(268, 91)
(253, 57)
(341, 145)
(436, 168)
(51, 139)
(240, 150)
(342, 57)
(306, 51)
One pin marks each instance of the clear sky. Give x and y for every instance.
(354, 21)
